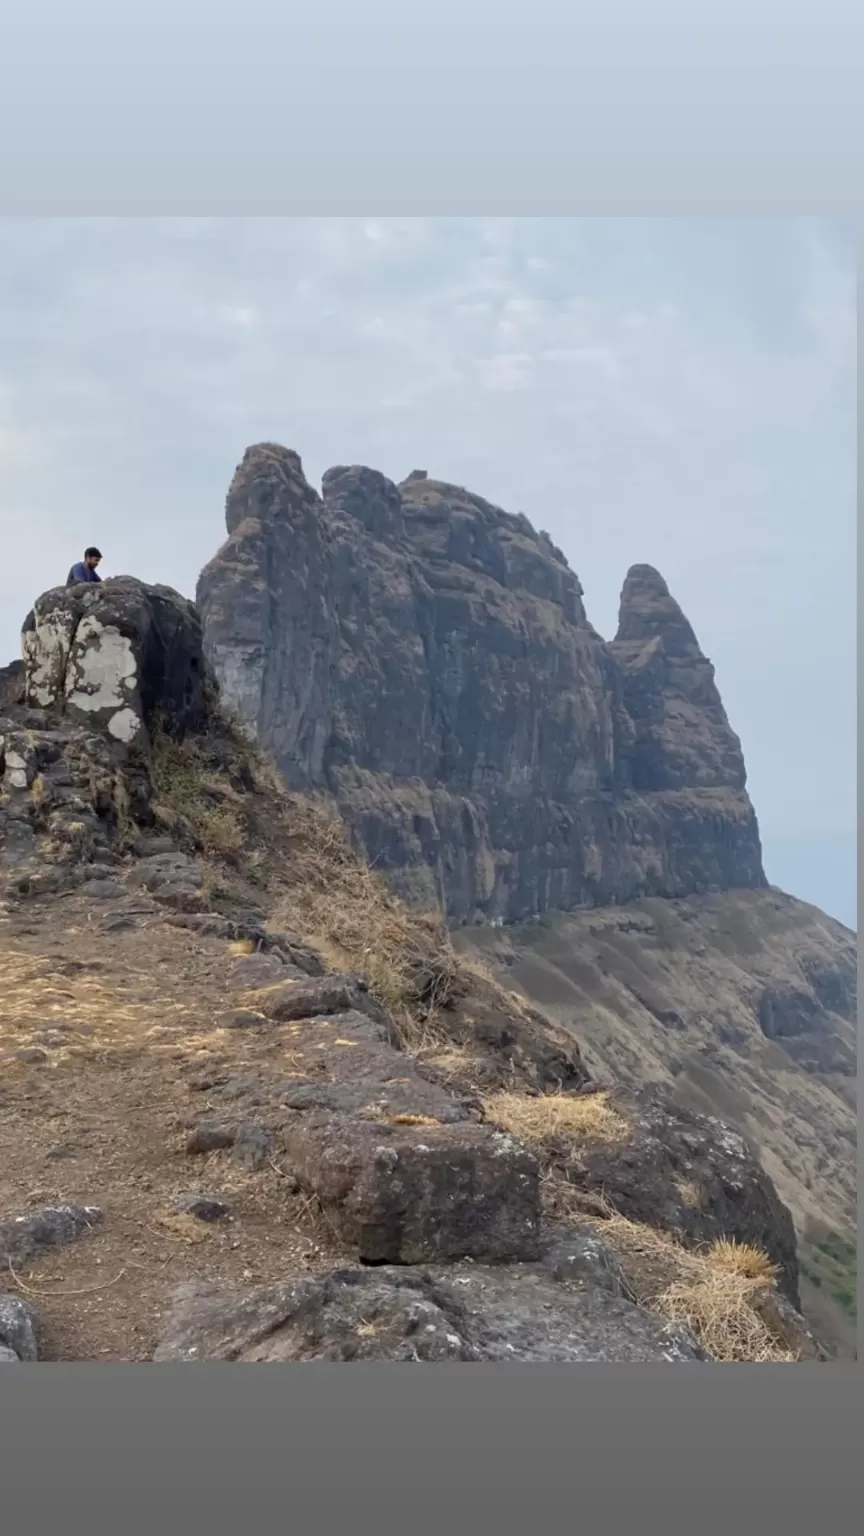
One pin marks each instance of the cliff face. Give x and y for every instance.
(426, 659)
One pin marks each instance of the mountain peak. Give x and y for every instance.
(648, 610)
(423, 656)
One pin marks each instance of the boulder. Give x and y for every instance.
(117, 657)
(25, 1236)
(418, 1193)
(18, 1328)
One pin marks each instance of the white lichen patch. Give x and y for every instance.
(125, 725)
(102, 671)
(46, 649)
(16, 774)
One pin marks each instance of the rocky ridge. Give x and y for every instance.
(183, 989)
(425, 658)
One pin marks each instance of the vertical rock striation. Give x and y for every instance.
(426, 658)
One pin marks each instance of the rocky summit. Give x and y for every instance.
(425, 658)
(254, 1106)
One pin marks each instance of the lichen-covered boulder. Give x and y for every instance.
(116, 656)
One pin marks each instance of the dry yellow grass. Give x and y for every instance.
(699, 1289)
(715, 1306)
(742, 1259)
(227, 796)
(691, 1193)
(455, 1060)
(375, 1112)
(539, 1120)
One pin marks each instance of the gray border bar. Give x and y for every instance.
(650, 111)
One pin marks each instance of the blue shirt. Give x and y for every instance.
(81, 572)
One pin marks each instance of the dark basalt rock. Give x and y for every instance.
(469, 1314)
(425, 657)
(11, 685)
(414, 1194)
(18, 1328)
(25, 1236)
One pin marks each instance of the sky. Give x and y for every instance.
(678, 392)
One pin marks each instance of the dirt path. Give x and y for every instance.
(102, 1042)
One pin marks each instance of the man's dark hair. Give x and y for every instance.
(92, 553)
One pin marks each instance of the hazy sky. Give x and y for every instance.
(672, 391)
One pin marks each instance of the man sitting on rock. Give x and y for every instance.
(85, 570)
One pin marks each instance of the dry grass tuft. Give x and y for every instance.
(743, 1259)
(715, 1306)
(242, 947)
(692, 1195)
(556, 1115)
(712, 1299)
(376, 1112)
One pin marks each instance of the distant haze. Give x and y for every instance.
(677, 392)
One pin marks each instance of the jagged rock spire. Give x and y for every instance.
(648, 610)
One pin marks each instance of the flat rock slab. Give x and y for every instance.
(364, 1073)
(343, 1063)
(305, 999)
(203, 1207)
(412, 1194)
(215, 925)
(515, 1313)
(581, 1259)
